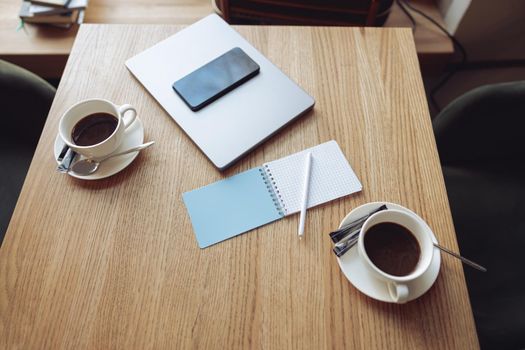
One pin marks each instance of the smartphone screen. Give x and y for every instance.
(216, 78)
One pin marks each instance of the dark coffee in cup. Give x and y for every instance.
(94, 129)
(392, 248)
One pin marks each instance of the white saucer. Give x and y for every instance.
(133, 136)
(356, 272)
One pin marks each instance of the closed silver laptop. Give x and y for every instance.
(234, 124)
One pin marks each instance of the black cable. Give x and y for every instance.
(456, 43)
(408, 14)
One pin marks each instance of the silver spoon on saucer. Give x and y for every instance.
(88, 166)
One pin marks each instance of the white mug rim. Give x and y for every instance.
(397, 279)
(80, 103)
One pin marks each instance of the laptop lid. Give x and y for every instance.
(234, 124)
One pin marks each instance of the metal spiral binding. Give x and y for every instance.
(269, 181)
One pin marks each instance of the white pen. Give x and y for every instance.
(306, 186)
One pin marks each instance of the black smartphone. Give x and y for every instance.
(216, 78)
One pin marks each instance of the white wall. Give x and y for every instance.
(488, 29)
(492, 31)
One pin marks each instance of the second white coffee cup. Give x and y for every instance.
(125, 114)
(399, 286)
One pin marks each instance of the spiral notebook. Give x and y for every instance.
(268, 193)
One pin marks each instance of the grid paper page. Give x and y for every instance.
(331, 177)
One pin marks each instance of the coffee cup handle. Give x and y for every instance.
(130, 117)
(398, 292)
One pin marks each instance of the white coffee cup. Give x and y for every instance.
(125, 115)
(398, 286)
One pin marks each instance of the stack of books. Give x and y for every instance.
(60, 13)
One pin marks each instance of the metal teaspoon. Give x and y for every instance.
(89, 166)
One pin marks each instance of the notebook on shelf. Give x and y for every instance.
(55, 3)
(268, 193)
(39, 10)
(61, 18)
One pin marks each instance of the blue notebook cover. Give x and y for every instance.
(265, 194)
(230, 207)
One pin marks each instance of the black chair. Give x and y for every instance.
(480, 138)
(26, 100)
(305, 12)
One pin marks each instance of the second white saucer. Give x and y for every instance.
(357, 274)
(134, 136)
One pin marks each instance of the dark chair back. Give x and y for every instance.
(306, 12)
(26, 100)
(480, 142)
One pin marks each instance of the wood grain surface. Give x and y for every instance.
(114, 263)
(44, 49)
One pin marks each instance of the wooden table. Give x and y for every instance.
(114, 263)
(44, 49)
